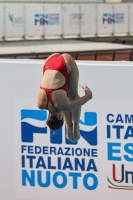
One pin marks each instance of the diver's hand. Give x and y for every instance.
(86, 89)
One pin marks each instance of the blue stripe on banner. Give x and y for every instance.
(90, 119)
(34, 114)
(28, 131)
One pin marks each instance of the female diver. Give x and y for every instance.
(59, 94)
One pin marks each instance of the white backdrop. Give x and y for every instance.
(88, 23)
(43, 20)
(131, 19)
(121, 19)
(34, 20)
(71, 19)
(105, 23)
(54, 18)
(14, 18)
(1, 21)
(110, 118)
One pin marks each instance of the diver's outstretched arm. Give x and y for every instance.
(72, 105)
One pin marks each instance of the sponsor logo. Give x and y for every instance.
(15, 20)
(126, 177)
(46, 19)
(120, 128)
(58, 157)
(76, 19)
(89, 136)
(117, 18)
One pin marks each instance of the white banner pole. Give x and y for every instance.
(62, 21)
(128, 19)
(24, 24)
(44, 28)
(114, 20)
(80, 21)
(4, 19)
(96, 18)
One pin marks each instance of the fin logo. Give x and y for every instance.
(46, 19)
(33, 122)
(117, 18)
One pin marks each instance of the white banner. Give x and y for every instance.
(88, 19)
(37, 20)
(121, 19)
(34, 20)
(43, 163)
(71, 19)
(53, 19)
(48, 162)
(1, 21)
(131, 18)
(105, 19)
(14, 20)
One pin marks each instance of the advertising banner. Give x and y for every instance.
(14, 20)
(121, 23)
(53, 19)
(119, 135)
(1, 20)
(131, 18)
(88, 19)
(48, 161)
(34, 20)
(44, 164)
(105, 21)
(71, 19)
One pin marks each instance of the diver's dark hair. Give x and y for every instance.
(54, 123)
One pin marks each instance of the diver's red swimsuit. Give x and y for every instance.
(56, 62)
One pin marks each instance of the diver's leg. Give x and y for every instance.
(68, 123)
(73, 94)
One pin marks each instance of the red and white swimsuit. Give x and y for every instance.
(56, 62)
